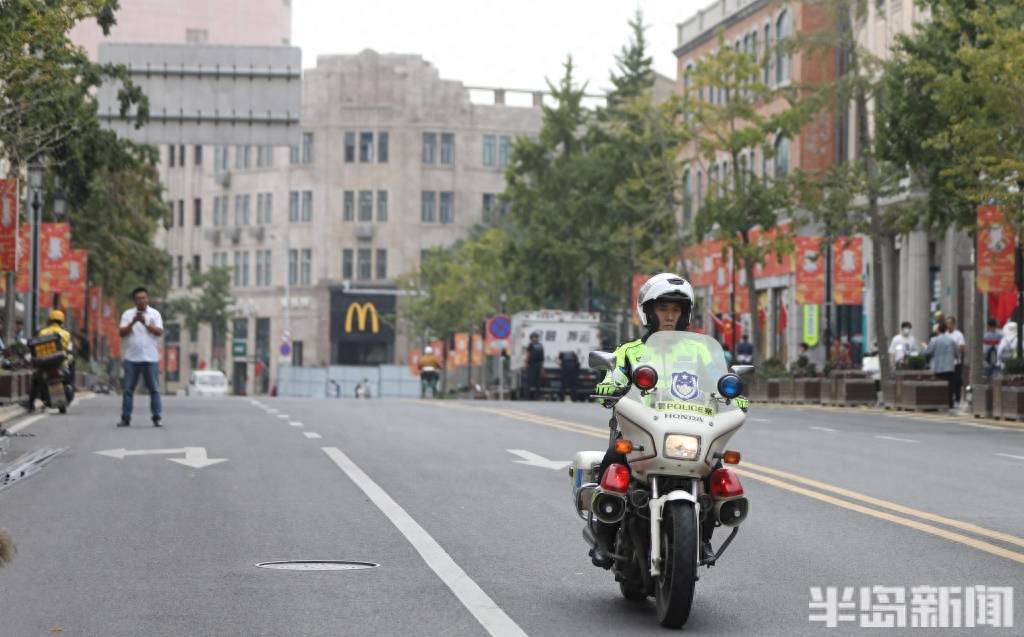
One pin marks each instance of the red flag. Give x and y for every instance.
(996, 245)
(847, 264)
(810, 271)
(8, 225)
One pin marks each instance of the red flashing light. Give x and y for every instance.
(616, 478)
(725, 484)
(645, 377)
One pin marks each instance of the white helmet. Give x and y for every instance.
(428, 350)
(666, 286)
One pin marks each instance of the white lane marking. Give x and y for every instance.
(535, 460)
(1007, 455)
(312, 435)
(484, 609)
(823, 429)
(760, 420)
(195, 457)
(895, 439)
(31, 420)
(283, 416)
(295, 423)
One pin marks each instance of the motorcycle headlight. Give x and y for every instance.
(682, 447)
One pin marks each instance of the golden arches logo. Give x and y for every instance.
(360, 311)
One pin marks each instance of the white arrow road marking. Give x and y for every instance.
(822, 429)
(283, 416)
(895, 439)
(532, 459)
(295, 423)
(312, 435)
(1006, 455)
(195, 457)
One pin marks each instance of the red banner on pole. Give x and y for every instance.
(996, 246)
(73, 295)
(810, 271)
(8, 225)
(847, 265)
(461, 349)
(721, 284)
(476, 350)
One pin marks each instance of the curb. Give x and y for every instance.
(967, 419)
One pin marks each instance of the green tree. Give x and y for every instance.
(208, 300)
(723, 133)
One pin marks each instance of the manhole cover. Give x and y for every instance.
(317, 565)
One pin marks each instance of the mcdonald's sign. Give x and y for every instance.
(365, 315)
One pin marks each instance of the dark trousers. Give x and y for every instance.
(950, 378)
(150, 373)
(570, 383)
(958, 381)
(533, 381)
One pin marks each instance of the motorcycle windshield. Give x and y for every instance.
(688, 365)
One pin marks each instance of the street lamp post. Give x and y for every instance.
(35, 185)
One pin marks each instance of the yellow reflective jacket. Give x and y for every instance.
(65, 336)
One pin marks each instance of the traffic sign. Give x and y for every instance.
(499, 326)
(286, 349)
(239, 348)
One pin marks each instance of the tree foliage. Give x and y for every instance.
(208, 300)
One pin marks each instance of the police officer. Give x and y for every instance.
(534, 365)
(665, 302)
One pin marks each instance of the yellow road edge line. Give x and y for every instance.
(913, 524)
(932, 517)
(983, 423)
(886, 504)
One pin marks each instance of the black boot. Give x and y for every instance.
(124, 422)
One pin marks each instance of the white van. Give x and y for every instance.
(207, 383)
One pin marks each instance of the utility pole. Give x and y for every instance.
(35, 184)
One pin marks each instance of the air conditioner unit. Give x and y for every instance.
(364, 232)
(235, 234)
(223, 178)
(259, 233)
(212, 235)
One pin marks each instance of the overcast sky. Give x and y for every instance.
(508, 43)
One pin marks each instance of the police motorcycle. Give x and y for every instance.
(52, 373)
(673, 426)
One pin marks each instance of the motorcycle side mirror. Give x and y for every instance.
(742, 370)
(601, 360)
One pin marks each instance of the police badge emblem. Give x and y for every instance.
(685, 385)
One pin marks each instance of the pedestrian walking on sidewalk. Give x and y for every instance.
(961, 344)
(990, 344)
(141, 329)
(941, 352)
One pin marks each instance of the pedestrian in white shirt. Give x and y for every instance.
(961, 345)
(902, 345)
(141, 328)
(1008, 346)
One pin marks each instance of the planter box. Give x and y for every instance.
(807, 390)
(1012, 404)
(772, 390)
(14, 386)
(856, 391)
(924, 395)
(787, 391)
(757, 390)
(981, 403)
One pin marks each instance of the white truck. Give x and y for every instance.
(560, 331)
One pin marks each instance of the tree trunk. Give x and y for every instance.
(755, 335)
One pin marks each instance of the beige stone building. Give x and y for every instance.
(392, 161)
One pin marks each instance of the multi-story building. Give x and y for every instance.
(392, 161)
(757, 27)
(256, 22)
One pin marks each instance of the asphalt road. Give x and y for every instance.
(469, 539)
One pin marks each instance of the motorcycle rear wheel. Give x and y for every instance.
(674, 587)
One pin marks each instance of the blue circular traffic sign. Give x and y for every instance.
(286, 349)
(501, 327)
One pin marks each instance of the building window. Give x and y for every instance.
(428, 209)
(197, 212)
(264, 156)
(504, 150)
(382, 205)
(219, 216)
(197, 264)
(382, 264)
(429, 148)
(700, 189)
(349, 212)
(382, 147)
(350, 148)
(241, 273)
(447, 149)
(490, 150)
(781, 157)
(180, 270)
(297, 353)
(365, 267)
(293, 205)
(293, 267)
(307, 205)
(242, 156)
(487, 210)
(346, 264)
(366, 147)
(170, 156)
(241, 210)
(366, 205)
(447, 207)
(220, 159)
(307, 148)
(306, 267)
(782, 59)
(294, 154)
(181, 213)
(197, 155)
(220, 259)
(264, 208)
(753, 46)
(766, 62)
(263, 261)
(196, 36)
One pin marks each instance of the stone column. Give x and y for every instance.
(916, 289)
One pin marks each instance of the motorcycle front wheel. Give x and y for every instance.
(674, 587)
